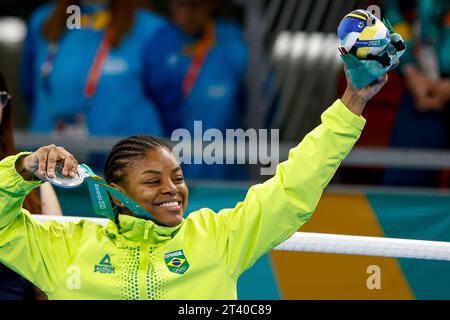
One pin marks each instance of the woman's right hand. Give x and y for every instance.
(43, 161)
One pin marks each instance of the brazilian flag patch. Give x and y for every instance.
(176, 262)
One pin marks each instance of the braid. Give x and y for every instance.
(128, 150)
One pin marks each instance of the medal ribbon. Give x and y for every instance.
(99, 189)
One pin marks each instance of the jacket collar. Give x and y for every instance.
(137, 230)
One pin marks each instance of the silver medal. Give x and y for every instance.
(67, 182)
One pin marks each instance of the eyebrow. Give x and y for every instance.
(159, 172)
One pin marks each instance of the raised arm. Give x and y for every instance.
(274, 210)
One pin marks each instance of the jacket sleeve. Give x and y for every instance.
(273, 211)
(39, 252)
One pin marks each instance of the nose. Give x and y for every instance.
(169, 187)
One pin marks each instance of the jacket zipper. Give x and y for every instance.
(145, 259)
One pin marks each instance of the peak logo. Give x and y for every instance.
(104, 266)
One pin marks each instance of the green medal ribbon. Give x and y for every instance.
(99, 189)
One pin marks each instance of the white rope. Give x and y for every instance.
(339, 244)
(368, 246)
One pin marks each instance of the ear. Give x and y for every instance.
(114, 199)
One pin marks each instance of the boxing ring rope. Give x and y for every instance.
(338, 244)
(367, 246)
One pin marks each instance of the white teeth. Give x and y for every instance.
(169, 204)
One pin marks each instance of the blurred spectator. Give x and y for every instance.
(90, 80)
(42, 200)
(423, 117)
(196, 72)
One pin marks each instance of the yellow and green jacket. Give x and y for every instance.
(202, 258)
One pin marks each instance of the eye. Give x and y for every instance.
(179, 179)
(152, 182)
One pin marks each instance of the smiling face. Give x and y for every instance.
(156, 183)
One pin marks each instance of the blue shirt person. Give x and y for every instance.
(91, 77)
(196, 72)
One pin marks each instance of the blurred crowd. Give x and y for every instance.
(412, 111)
(423, 118)
(130, 71)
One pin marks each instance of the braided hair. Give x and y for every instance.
(127, 150)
